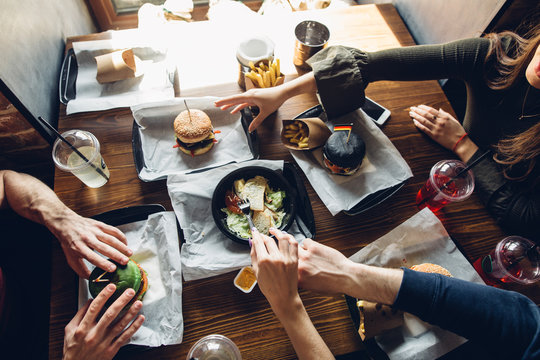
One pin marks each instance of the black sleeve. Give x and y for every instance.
(342, 73)
(514, 204)
(477, 312)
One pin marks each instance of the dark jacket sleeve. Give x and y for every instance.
(514, 204)
(477, 312)
(342, 73)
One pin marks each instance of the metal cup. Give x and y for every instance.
(311, 37)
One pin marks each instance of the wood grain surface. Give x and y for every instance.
(213, 305)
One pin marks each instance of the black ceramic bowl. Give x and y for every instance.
(275, 181)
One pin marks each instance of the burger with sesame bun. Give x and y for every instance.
(432, 269)
(124, 277)
(194, 132)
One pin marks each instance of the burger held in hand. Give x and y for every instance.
(343, 152)
(124, 277)
(194, 132)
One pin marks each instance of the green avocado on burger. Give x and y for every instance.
(124, 277)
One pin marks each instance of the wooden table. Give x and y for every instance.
(213, 305)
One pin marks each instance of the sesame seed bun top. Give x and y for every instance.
(192, 126)
(431, 268)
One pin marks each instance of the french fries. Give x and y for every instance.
(297, 133)
(263, 75)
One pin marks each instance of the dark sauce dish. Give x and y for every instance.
(275, 181)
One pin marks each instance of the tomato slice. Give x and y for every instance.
(231, 201)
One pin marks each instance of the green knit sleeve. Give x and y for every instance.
(342, 73)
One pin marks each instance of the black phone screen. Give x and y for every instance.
(372, 109)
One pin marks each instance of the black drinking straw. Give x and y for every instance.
(461, 172)
(50, 127)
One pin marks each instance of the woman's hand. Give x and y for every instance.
(322, 268)
(88, 336)
(444, 129)
(267, 100)
(276, 268)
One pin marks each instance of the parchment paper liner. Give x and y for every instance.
(118, 65)
(318, 133)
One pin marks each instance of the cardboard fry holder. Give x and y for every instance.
(317, 133)
(118, 65)
(377, 318)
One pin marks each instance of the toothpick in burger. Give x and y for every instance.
(194, 132)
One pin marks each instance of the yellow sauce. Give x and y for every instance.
(246, 278)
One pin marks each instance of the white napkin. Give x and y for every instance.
(383, 167)
(155, 84)
(157, 138)
(420, 239)
(155, 247)
(207, 251)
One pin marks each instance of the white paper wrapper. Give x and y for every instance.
(382, 167)
(155, 247)
(155, 83)
(157, 138)
(418, 240)
(207, 251)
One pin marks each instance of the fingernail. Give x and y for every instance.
(137, 305)
(130, 252)
(285, 232)
(130, 292)
(413, 107)
(125, 259)
(272, 229)
(112, 268)
(111, 287)
(253, 229)
(250, 243)
(411, 113)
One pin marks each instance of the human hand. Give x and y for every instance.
(322, 268)
(444, 129)
(88, 338)
(80, 236)
(276, 268)
(267, 100)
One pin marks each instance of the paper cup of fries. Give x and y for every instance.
(264, 74)
(304, 134)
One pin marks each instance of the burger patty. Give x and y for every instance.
(199, 144)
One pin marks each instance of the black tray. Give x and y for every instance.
(372, 199)
(68, 77)
(246, 119)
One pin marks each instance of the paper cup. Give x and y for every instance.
(118, 65)
(317, 133)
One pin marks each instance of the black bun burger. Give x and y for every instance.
(343, 157)
(124, 277)
(194, 133)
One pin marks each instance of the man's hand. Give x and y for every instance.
(87, 338)
(79, 236)
(276, 269)
(322, 268)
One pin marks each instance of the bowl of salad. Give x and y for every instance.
(271, 197)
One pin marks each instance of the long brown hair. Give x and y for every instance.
(510, 65)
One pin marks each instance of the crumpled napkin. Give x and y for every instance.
(420, 239)
(155, 247)
(207, 251)
(383, 167)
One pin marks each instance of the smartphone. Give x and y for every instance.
(376, 112)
